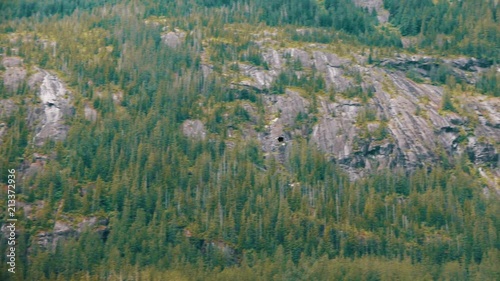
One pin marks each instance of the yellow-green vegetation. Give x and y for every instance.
(218, 208)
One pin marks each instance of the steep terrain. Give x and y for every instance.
(251, 140)
(364, 116)
(370, 116)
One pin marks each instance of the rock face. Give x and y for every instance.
(259, 79)
(48, 118)
(283, 111)
(399, 123)
(30, 168)
(194, 129)
(7, 108)
(3, 130)
(407, 127)
(14, 74)
(173, 39)
(463, 69)
(63, 230)
(90, 113)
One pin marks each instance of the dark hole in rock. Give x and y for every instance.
(50, 104)
(281, 139)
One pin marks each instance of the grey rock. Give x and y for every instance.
(3, 130)
(173, 39)
(289, 106)
(335, 132)
(206, 70)
(482, 153)
(283, 111)
(410, 128)
(13, 77)
(49, 239)
(334, 78)
(7, 108)
(14, 74)
(228, 252)
(33, 168)
(12, 62)
(260, 79)
(36, 165)
(90, 113)
(300, 55)
(86, 223)
(194, 129)
(273, 58)
(463, 69)
(61, 228)
(35, 80)
(48, 118)
(64, 230)
(412, 139)
(324, 60)
(117, 97)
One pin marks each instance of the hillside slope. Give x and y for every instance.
(251, 140)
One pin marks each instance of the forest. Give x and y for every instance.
(216, 208)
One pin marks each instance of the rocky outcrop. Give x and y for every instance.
(90, 113)
(258, 78)
(230, 253)
(463, 69)
(173, 39)
(7, 108)
(3, 130)
(299, 55)
(48, 117)
(117, 97)
(14, 74)
(482, 153)
(64, 230)
(194, 129)
(35, 80)
(411, 127)
(400, 124)
(282, 113)
(273, 58)
(329, 64)
(30, 168)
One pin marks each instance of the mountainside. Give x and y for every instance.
(389, 112)
(250, 140)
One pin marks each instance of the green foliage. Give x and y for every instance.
(489, 83)
(439, 74)
(250, 216)
(414, 75)
(447, 103)
(358, 92)
(311, 84)
(28, 8)
(454, 22)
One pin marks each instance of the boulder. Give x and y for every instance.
(173, 39)
(194, 129)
